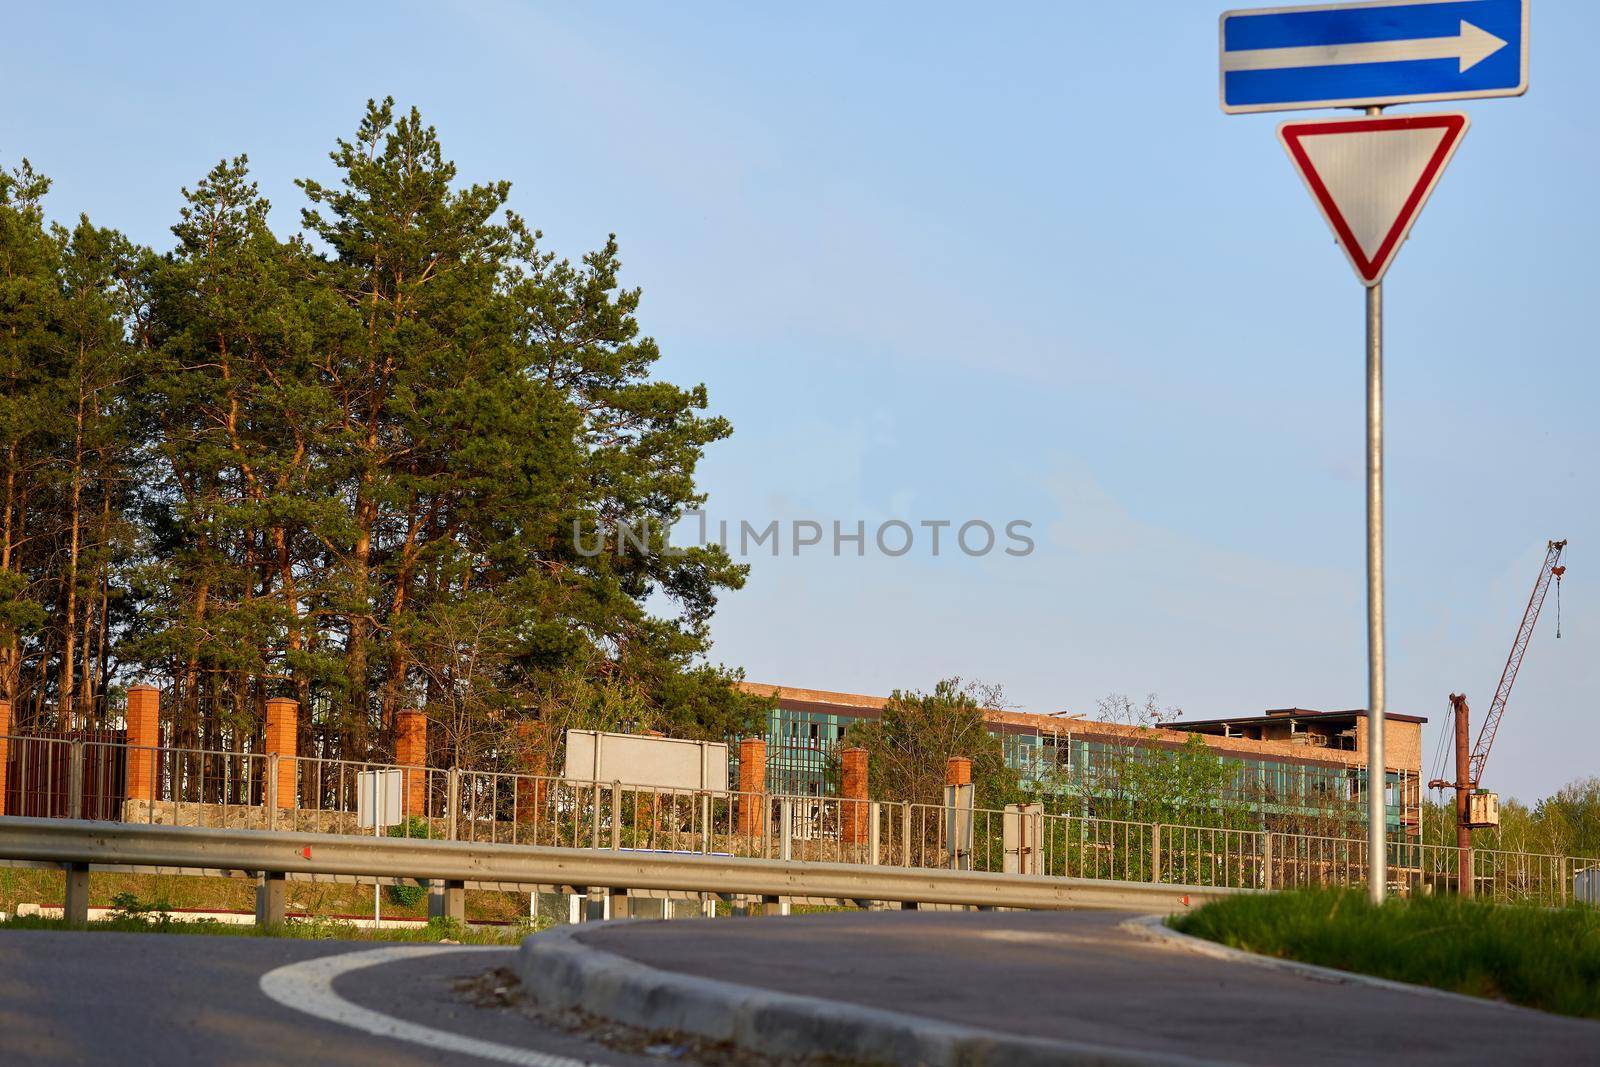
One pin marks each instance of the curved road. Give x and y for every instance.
(73, 998)
(166, 999)
(1081, 976)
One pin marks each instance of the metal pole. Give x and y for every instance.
(75, 782)
(377, 888)
(1463, 805)
(1377, 815)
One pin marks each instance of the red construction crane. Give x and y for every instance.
(1475, 808)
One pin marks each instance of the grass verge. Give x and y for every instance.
(1537, 957)
(302, 929)
(22, 885)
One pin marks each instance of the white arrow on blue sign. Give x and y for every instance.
(1360, 55)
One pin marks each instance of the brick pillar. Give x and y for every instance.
(283, 738)
(5, 749)
(958, 771)
(855, 812)
(752, 785)
(144, 737)
(411, 750)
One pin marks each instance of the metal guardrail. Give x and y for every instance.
(97, 780)
(272, 856)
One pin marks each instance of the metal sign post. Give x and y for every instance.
(378, 805)
(1370, 177)
(1377, 813)
(377, 819)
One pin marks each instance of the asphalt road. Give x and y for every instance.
(1079, 976)
(90, 998)
(107, 998)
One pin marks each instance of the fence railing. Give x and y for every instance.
(86, 779)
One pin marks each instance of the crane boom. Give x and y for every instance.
(1508, 677)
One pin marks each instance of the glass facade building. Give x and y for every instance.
(1287, 766)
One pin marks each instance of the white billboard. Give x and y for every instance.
(656, 762)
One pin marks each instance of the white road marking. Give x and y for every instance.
(308, 987)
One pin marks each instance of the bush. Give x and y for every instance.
(128, 906)
(408, 895)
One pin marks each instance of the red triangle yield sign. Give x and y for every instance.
(1371, 176)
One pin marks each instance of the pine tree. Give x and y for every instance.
(348, 466)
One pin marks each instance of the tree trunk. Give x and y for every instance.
(67, 696)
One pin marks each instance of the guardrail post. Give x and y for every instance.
(1266, 860)
(1155, 852)
(771, 905)
(447, 899)
(75, 782)
(594, 904)
(621, 905)
(271, 897)
(786, 829)
(616, 816)
(75, 907)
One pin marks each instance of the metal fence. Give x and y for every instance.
(111, 781)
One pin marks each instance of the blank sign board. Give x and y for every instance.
(656, 762)
(378, 794)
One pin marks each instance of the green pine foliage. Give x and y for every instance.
(347, 465)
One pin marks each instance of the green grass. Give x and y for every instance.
(1538, 957)
(302, 929)
(21, 885)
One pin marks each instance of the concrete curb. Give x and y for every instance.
(1155, 928)
(563, 972)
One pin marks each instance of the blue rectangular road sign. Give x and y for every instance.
(1358, 55)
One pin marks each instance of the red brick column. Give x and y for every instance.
(855, 812)
(411, 750)
(752, 786)
(144, 737)
(5, 749)
(958, 771)
(283, 738)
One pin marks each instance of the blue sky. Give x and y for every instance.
(937, 263)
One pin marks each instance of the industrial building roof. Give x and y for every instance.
(1280, 714)
(857, 703)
